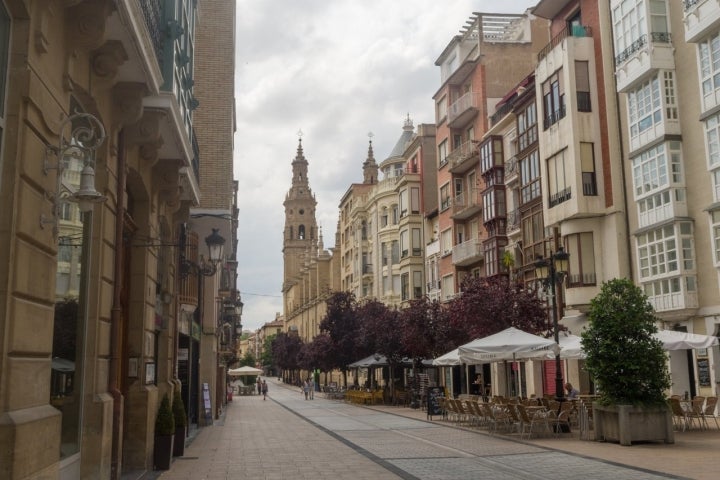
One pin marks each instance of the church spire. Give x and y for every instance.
(370, 168)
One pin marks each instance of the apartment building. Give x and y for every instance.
(665, 65)
(380, 228)
(490, 55)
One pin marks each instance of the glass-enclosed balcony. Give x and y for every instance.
(645, 56)
(702, 17)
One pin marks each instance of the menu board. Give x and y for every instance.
(703, 369)
(433, 402)
(206, 402)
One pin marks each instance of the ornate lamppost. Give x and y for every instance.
(551, 271)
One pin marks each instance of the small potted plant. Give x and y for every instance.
(164, 435)
(628, 366)
(178, 408)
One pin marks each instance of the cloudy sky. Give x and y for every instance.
(337, 70)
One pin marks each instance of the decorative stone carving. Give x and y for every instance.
(127, 103)
(107, 59)
(85, 23)
(146, 134)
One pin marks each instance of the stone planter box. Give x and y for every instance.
(627, 424)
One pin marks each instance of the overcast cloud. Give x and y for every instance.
(335, 69)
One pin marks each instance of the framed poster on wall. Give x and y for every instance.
(149, 373)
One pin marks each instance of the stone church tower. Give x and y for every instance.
(300, 236)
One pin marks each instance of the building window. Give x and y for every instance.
(447, 290)
(384, 217)
(441, 108)
(656, 168)
(553, 99)
(395, 252)
(671, 112)
(715, 232)
(587, 163)
(403, 203)
(666, 251)
(629, 28)
(404, 286)
(416, 242)
(530, 187)
(532, 229)
(404, 244)
(709, 69)
(582, 259)
(491, 154)
(712, 139)
(493, 204)
(582, 86)
(442, 153)
(559, 189)
(445, 201)
(645, 107)
(417, 284)
(527, 127)
(490, 252)
(414, 200)
(446, 242)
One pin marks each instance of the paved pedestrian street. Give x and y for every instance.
(288, 437)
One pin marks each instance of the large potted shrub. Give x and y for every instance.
(178, 408)
(628, 366)
(164, 435)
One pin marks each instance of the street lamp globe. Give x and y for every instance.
(215, 243)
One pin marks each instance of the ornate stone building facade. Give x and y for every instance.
(89, 295)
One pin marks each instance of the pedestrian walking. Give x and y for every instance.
(264, 389)
(259, 386)
(311, 387)
(306, 389)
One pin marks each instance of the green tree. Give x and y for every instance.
(626, 362)
(248, 360)
(266, 358)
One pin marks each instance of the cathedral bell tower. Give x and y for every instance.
(300, 236)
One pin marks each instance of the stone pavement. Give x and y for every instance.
(289, 437)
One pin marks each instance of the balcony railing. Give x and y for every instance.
(461, 154)
(560, 197)
(569, 31)
(469, 101)
(688, 4)
(152, 11)
(467, 252)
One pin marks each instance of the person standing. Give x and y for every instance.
(259, 386)
(311, 387)
(264, 389)
(306, 389)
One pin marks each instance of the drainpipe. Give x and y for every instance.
(116, 313)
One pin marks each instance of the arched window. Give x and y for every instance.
(301, 232)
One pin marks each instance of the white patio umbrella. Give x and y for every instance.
(450, 359)
(511, 344)
(246, 370)
(571, 345)
(674, 340)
